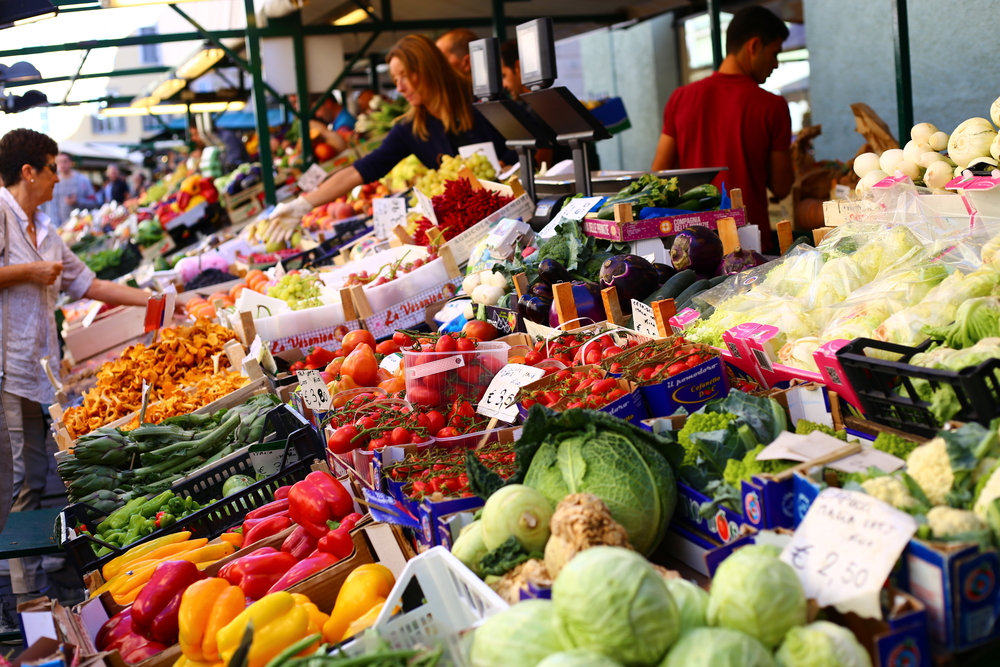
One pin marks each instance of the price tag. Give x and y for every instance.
(499, 398)
(266, 457)
(573, 209)
(644, 319)
(312, 178)
(391, 362)
(387, 213)
(145, 401)
(486, 148)
(313, 390)
(426, 207)
(845, 548)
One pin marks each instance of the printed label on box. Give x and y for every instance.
(387, 214)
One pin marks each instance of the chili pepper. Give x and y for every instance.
(154, 614)
(337, 542)
(319, 498)
(281, 492)
(271, 508)
(268, 527)
(207, 606)
(255, 573)
(316, 562)
(299, 543)
(365, 587)
(261, 613)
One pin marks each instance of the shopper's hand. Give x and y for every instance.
(285, 219)
(43, 273)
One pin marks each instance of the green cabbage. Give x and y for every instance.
(610, 599)
(718, 647)
(757, 594)
(692, 602)
(822, 644)
(585, 451)
(523, 635)
(578, 657)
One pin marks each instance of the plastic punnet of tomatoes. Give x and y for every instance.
(655, 361)
(438, 372)
(586, 387)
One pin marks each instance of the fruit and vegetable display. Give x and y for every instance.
(434, 182)
(655, 193)
(457, 208)
(359, 202)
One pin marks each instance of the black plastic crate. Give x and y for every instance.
(206, 487)
(887, 395)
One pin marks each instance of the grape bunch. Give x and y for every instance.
(388, 272)
(432, 183)
(299, 291)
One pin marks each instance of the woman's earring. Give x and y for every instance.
(32, 180)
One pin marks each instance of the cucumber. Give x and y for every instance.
(684, 299)
(797, 241)
(688, 205)
(709, 203)
(718, 280)
(700, 192)
(673, 287)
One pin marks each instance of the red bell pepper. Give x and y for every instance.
(270, 509)
(281, 493)
(154, 614)
(350, 521)
(117, 635)
(255, 573)
(319, 358)
(317, 499)
(272, 525)
(142, 651)
(304, 570)
(250, 523)
(114, 630)
(183, 199)
(337, 542)
(299, 543)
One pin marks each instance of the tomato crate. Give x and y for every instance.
(880, 387)
(219, 513)
(437, 378)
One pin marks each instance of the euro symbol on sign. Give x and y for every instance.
(800, 551)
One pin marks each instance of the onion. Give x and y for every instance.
(927, 159)
(887, 162)
(970, 140)
(870, 179)
(938, 175)
(865, 163)
(914, 149)
(938, 141)
(995, 148)
(922, 132)
(995, 112)
(908, 168)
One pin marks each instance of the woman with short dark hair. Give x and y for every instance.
(36, 266)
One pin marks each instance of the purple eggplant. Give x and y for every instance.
(534, 308)
(633, 277)
(589, 305)
(542, 290)
(697, 248)
(739, 261)
(551, 272)
(664, 272)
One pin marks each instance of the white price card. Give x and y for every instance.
(313, 390)
(387, 213)
(644, 319)
(312, 178)
(391, 362)
(845, 548)
(425, 206)
(499, 398)
(486, 148)
(573, 209)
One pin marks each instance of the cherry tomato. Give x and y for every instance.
(611, 351)
(675, 368)
(402, 339)
(378, 443)
(533, 358)
(355, 338)
(593, 357)
(400, 436)
(435, 421)
(465, 345)
(445, 344)
(448, 432)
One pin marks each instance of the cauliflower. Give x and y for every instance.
(890, 490)
(930, 467)
(948, 522)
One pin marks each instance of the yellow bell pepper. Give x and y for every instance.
(114, 567)
(365, 622)
(195, 200)
(365, 587)
(277, 635)
(209, 552)
(262, 612)
(191, 184)
(185, 661)
(317, 619)
(230, 604)
(197, 607)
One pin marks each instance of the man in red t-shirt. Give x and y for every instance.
(728, 120)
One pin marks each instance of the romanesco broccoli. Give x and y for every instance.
(898, 446)
(738, 470)
(805, 427)
(700, 422)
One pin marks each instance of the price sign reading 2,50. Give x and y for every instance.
(832, 566)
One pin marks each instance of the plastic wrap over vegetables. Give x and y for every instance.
(787, 314)
(836, 280)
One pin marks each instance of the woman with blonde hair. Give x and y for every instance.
(441, 118)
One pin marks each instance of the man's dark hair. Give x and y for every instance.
(753, 22)
(20, 147)
(460, 38)
(508, 53)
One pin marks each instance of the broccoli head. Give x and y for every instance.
(898, 446)
(805, 427)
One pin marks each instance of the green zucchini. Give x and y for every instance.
(717, 280)
(684, 300)
(673, 287)
(700, 192)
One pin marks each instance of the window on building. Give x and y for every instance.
(149, 54)
(151, 124)
(107, 125)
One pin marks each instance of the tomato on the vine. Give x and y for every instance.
(341, 441)
(387, 347)
(400, 436)
(465, 345)
(445, 344)
(435, 421)
(480, 329)
(402, 339)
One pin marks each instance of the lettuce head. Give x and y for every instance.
(523, 635)
(822, 644)
(578, 658)
(692, 603)
(718, 647)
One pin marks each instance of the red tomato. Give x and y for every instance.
(355, 338)
(341, 440)
(611, 351)
(402, 339)
(480, 329)
(400, 436)
(465, 345)
(387, 347)
(445, 344)
(435, 421)
(533, 358)
(675, 368)
(603, 386)
(423, 395)
(448, 432)
(361, 365)
(378, 443)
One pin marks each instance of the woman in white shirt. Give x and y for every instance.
(36, 266)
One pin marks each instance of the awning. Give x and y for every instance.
(102, 152)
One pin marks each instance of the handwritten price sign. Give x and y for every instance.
(845, 548)
(313, 390)
(498, 401)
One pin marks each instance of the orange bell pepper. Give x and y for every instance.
(365, 587)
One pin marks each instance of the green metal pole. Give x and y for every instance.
(715, 28)
(187, 127)
(138, 40)
(302, 88)
(137, 71)
(260, 105)
(499, 21)
(904, 87)
(76, 75)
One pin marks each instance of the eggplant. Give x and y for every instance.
(739, 261)
(633, 277)
(664, 272)
(534, 308)
(542, 290)
(697, 248)
(589, 305)
(551, 272)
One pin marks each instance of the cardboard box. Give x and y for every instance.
(839, 212)
(651, 228)
(112, 329)
(629, 407)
